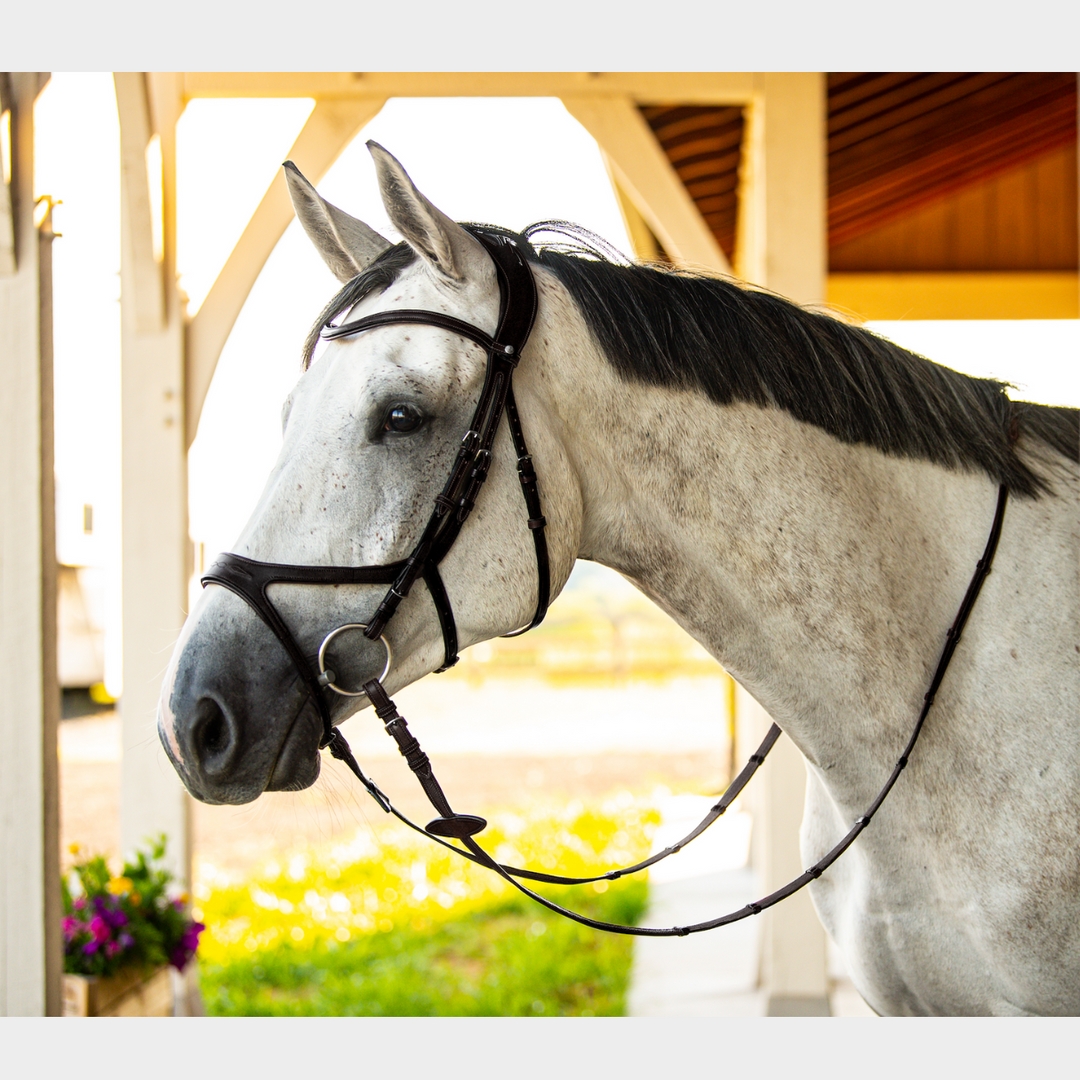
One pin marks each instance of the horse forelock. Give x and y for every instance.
(380, 275)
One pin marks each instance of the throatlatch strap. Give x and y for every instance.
(537, 521)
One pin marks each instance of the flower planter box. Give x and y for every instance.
(134, 993)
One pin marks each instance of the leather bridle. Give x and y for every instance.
(250, 579)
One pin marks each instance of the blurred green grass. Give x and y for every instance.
(401, 927)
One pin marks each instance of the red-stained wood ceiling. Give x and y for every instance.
(901, 142)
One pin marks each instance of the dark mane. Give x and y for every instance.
(667, 327)
(735, 343)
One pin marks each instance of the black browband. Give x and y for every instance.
(250, 579)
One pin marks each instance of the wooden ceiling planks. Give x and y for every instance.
(1021, 220)
(906, 149)
(899, 142)
(703, 144)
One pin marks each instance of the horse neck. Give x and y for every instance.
(821, 575)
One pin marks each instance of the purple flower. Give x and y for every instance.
(187, 946)
(116, 918)
(90, 947)
(99, 928)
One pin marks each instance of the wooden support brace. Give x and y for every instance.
(329, 129)
(637, 228)
(643, 171)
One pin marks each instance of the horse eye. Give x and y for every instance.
(402, 419)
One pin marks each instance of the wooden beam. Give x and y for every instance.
(750, 222)
(146, 301)
(157, 552)
(31, 949)
(637, 228)
(892, 296)
(329, 129)
(642, 170)
(50, 680)
(793, 173)
(781, 245)
(649, 87)
(166, 108)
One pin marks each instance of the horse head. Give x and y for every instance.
(371, 432)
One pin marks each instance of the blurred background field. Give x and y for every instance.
(602, 632)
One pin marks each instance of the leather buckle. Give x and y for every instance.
(481, 465)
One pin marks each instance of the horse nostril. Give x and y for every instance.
(212, 736)
(215, 736)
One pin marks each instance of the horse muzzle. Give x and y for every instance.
(236, 717)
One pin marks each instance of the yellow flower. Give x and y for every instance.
(74, 849)
(119, 885)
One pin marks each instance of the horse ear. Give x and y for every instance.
(347, 245)
(441, 243)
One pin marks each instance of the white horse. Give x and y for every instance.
(804, 498)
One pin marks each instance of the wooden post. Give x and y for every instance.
(30, 937)
(156, 550)
(782, 245)
(166, 369)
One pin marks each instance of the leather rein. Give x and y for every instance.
(250, 579)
